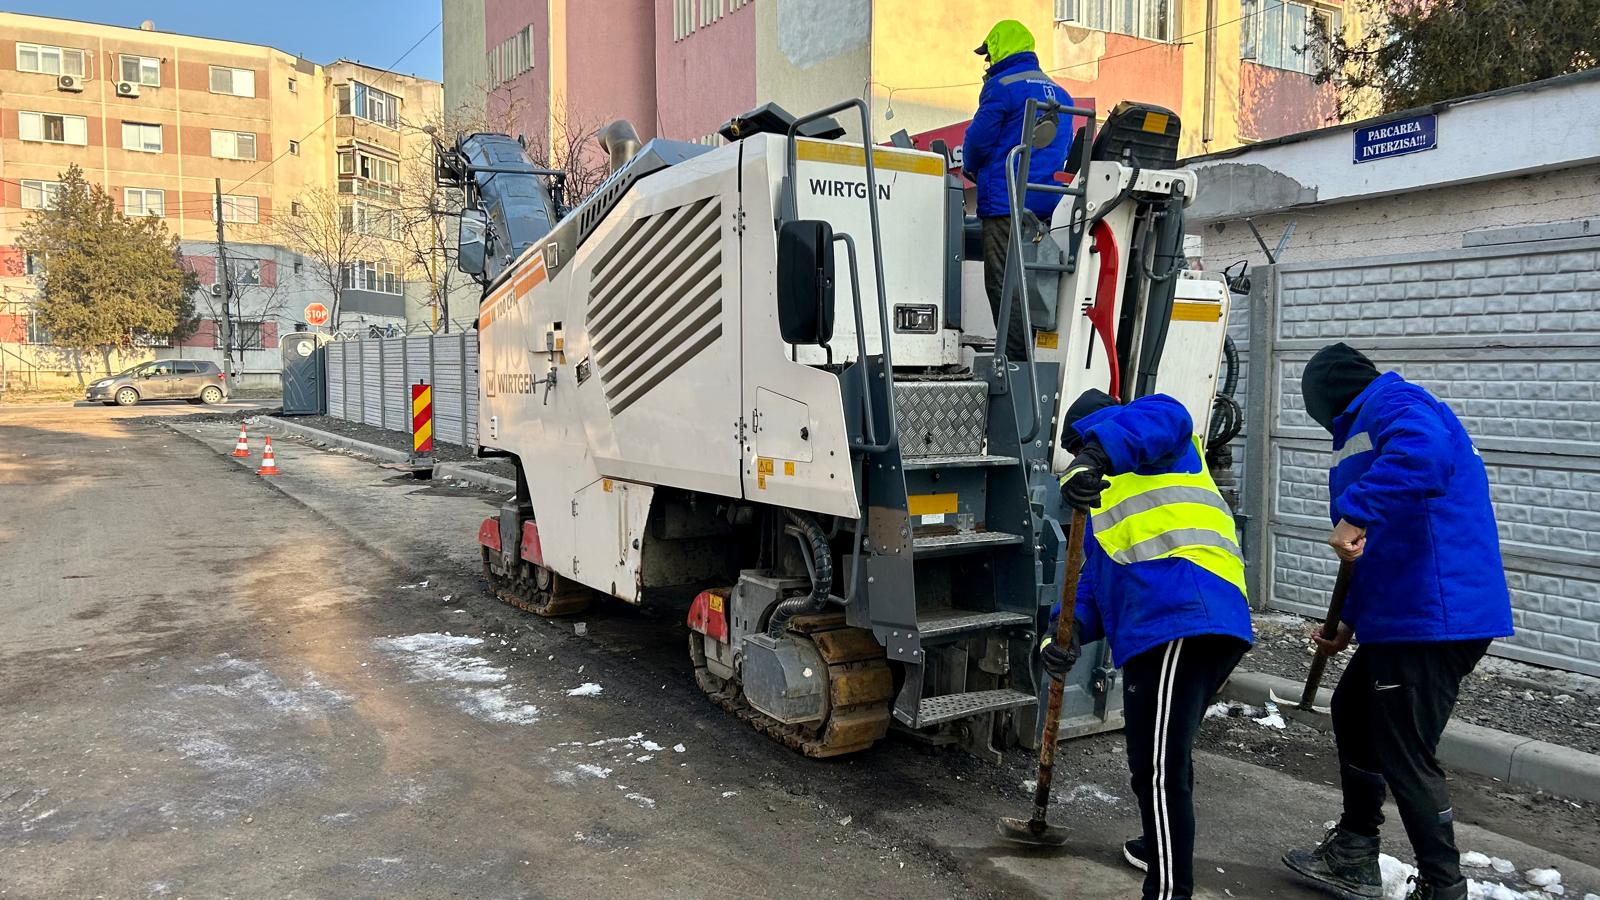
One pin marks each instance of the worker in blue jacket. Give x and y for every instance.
(1163, 582)
(1410, 507)
(1013, 77)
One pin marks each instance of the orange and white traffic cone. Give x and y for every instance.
(241, 449)
(269, 463)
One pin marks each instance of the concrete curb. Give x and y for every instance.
(446, 470)
(1473, 748)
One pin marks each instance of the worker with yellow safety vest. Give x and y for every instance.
(1163, 583)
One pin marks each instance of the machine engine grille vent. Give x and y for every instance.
(656, 299)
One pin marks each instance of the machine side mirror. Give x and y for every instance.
(471, 241)
(805, 282)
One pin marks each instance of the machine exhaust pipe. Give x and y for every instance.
(620, 141)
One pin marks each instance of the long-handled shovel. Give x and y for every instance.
(1036, 830)
(1330, 627)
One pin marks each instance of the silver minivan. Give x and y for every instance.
(194, 380)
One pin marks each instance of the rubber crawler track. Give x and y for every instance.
(558, 597)
(860, 686)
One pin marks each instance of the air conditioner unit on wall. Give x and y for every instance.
(70, 83)
(127, 89)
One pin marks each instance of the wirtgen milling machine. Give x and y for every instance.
(748, 375)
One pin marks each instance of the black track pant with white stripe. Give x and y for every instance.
(1165, 694)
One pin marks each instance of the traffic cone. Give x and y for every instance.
(241, 449)
(269, 463)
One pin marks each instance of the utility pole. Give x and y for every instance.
(227, 292)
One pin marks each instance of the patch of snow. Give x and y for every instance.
(494, 705)
(645, 758)
(587, 689)
(1543, 878)
(1472, 859)
(643, 801)
(727, 794)
(679, 748)
(1396, 876)
(1503, 866)
(443, 657)
(652, 746)
(592, 771)
(1273, 718)
(1218, 710)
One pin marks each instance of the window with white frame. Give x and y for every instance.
(142, 137)
(370, 219)
(244, 272)
(40, 194)
(238, 82)
(294, 148)
(37, 333)
(233, 144)
(689, 16)
(145, 70)
(511, 57)
(1285, 35)
(144, 202)
(238, 208)
(48, 60)
(363, 173)
(365, 102)
(381, 277)
(52, 128)
(1153, 20)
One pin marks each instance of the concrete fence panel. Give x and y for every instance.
(369, 381)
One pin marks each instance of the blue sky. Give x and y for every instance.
(373, 32)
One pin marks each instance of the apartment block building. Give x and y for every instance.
(160, 120)
(1236, 71)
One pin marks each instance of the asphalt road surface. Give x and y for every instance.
(218, 685)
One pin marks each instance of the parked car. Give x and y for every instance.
(194, 380)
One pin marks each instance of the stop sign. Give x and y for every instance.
(316, 314)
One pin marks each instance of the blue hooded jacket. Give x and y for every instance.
(1405, 470)
(997, 127)
(1142, 605)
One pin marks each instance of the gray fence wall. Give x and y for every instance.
(1509, 336)
(370, 382)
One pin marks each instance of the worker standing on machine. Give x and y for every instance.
(1013, 78)
(1410, 506)
(1163, 582)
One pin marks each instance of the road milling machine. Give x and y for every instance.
(748, 379)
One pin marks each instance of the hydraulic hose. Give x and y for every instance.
(814, 544)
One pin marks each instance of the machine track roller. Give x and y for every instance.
(860, 687)
(536, 589)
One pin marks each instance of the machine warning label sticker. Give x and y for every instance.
(1048, 340)
(788, 468)
(763, 466)
(935, 519)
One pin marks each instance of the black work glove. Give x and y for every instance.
(1085, 478)
(1059, 660)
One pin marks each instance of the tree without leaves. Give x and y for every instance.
(109, 281)
(1412, 53)
(317, 229)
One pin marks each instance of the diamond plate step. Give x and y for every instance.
(961, 542)
(934, 710)
(949, 623)
(941, 418)
(958, 462)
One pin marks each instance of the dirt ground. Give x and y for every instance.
(1559, 707)
(213, 684)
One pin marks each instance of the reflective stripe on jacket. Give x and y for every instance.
(1174, 515)
(1161, 560)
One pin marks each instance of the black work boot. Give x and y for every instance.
(1136, 853)
(1344, 861)
(1422, 890)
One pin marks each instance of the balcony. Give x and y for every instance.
(371, 133)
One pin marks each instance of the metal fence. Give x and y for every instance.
(1509, 336)
(370, 382)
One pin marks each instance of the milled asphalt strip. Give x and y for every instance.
(446, 470)
(1473, 748)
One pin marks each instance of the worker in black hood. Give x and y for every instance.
(1411, 513)
(1333, 378)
